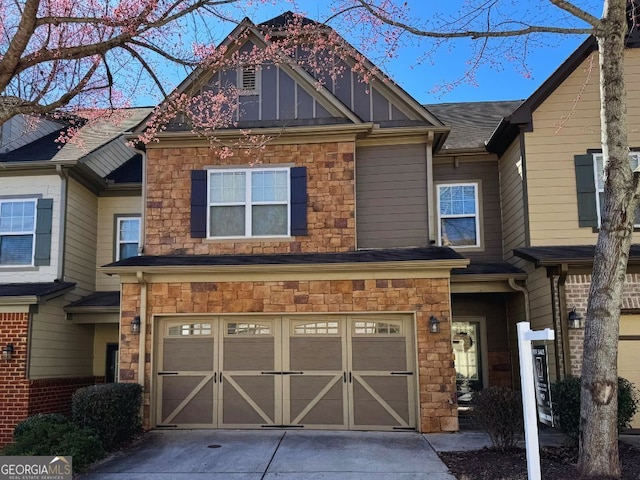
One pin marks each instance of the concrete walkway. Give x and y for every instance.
(288, 455)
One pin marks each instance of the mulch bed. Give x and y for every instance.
(557, 463)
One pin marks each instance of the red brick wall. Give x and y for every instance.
(330, 191)
(14, 387)
(53, 395)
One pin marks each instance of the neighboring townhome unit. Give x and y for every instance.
(51, 199)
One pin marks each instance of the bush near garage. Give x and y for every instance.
(54, 434)
(565, 396)
(498, 412)
(112, 410)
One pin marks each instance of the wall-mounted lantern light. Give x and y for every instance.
(574, 319)
(7, 352)
(135, 325)
(434, 324)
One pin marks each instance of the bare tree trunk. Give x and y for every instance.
(599, 403)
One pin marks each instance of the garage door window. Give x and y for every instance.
(189, 329)
(248, 329)
(316, 328)
(376, 328)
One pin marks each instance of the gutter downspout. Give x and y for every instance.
(64, 178)
(143, 200)
(527, 316)
(143, 328)
(562, 320)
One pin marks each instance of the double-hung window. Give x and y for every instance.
(598, 165)
(458, 215)
(248, 203)
(127, 237)
(17, 231)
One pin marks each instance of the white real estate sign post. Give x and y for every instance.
(525, 337)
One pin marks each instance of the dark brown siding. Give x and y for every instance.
(391, 200)
(485, 172)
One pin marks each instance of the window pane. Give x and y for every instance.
(128, 250)
(227, 187)
(269, 219)
(130, 230)
(16, 249)
(17, 217)
(269, 186)
(458, 231)
(227, 221)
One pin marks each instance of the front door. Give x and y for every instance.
(466, 337)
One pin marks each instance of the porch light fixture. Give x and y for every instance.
(135, 325)
(7, 352)
(574, 319)
(434, 324)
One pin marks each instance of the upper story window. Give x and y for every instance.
(598, 165)
(17, 231)
(127, 237)
(249, 203)
(458, 215)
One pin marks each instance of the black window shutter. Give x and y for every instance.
(198, 203)
(298, 200)
(43, 232)
(586, 189)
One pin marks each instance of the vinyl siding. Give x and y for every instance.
(511, 192)
(108, 208)
(80, 252)
(58, 347)
(484, 171)
(391, 197)
(541, 310)
(43, 186)
(564, 127)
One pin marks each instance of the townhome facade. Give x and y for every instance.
(54, 338)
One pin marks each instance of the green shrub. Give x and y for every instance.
(565, 396)
(51, 436)
(498, 411)
(112, 410)
(35, 420)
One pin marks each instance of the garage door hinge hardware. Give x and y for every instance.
(405, 428)
(271, 373)
(401, 373)
(282, 373)
(167, 373)
(282, 426)
(166, 426)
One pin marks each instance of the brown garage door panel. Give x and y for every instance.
(248, 354)
(188, 354)
(383, 353)
(187, 400)
(248, 400)
(317, 400)
(315, 353)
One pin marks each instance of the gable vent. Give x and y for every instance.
(249, 77)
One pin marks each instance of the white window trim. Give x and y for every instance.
(32, 233)
(248, 204)
(476, 186)
(240, 82)
(600, 188)
(119, 220)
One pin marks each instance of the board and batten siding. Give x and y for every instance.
(58, 347)
(391, 196)
(108, 209)
(482, 170)
(562, 128)
(80, 249)
(512, 199)
(38, 186)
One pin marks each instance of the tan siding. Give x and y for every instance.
(511, 192)
(391, 196)
(541, 310)
(104, 333)
(108, 208)
(80, 253)
(59, 348)
(550, 151)
(483, 170)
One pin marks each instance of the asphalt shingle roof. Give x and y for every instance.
(472, 123)
(98, 299)
(37, 289)
(583, 254)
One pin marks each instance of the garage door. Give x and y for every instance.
(628, 365)
(298, 372)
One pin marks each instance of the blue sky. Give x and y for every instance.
(501, 81)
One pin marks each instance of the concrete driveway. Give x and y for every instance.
(257, 455)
